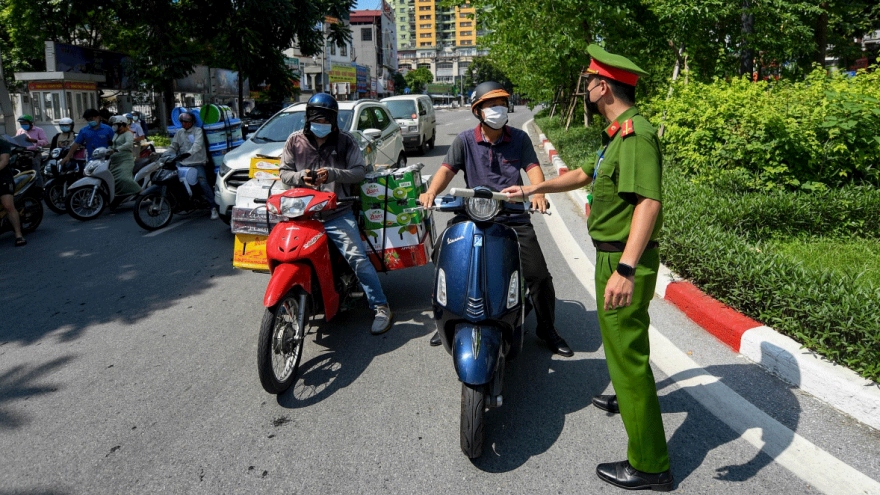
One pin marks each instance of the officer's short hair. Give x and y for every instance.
(623, 92)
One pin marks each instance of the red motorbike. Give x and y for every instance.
(309, 276)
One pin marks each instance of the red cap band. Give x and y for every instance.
(620, 75)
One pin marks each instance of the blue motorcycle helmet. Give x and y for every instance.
(321, 105)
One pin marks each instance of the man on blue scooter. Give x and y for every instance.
(493, 155)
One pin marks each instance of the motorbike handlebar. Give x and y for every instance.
(482, 193)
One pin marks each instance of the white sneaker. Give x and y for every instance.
(214, 214)
(383, 320)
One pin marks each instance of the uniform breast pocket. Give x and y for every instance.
(604, 189)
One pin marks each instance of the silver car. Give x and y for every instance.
(369, 121)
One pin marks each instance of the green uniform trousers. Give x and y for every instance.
(625, 337)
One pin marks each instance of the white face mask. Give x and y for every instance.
(495, 117)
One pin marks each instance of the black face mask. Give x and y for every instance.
(592, 106)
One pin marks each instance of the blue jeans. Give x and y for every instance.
(344, 233)
(203, 182)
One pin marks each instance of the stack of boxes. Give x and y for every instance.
(397, 232)
(249, 223)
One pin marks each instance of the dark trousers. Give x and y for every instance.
(538, 278)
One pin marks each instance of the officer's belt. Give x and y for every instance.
(618, 247)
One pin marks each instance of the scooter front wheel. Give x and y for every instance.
(30, 213)
(153, 211)
(282, 334)
(82, 206)
(54, 196)
(473, 411)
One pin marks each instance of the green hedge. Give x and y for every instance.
(812, 134)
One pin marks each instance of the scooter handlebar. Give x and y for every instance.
(472, 193)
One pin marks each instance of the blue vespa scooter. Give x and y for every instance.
(478, 301)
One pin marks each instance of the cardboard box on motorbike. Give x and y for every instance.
(249, 223)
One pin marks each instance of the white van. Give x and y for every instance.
(415, 115)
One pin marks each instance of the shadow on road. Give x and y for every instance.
(22, 382)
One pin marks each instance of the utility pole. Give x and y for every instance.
(6, 103)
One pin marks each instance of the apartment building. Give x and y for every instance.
(442, 39)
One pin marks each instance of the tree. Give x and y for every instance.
(483, 69)
(399, 83)
(417, 79)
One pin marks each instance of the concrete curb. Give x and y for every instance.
(836, 385)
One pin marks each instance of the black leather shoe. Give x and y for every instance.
(557, 344)
(606, 403)
(622, 475)
(435, 339)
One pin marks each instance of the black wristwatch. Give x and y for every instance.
(625, 270)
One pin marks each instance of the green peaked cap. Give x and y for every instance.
(611, 60)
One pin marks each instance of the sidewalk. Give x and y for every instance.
(836, 385)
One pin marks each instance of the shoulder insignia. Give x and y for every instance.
(612, 129)
(628, 129)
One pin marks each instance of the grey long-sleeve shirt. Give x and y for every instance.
(190, 141)
(340, 155)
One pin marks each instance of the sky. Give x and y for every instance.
(368, 4)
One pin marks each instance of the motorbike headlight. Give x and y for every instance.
(513, 290)
(441, 286)
(482, 209)
(295, 207)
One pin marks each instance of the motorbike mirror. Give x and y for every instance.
(373, 134)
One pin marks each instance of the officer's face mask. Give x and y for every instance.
(495, 117)
(592, 106)
(321, 130)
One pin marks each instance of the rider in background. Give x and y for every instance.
(95, 135)
(323, 157)
(7, 191)
(122, 161)
(37, 137)
(191, 139)
(67, 135)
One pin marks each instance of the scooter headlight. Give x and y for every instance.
(513, 290)
(295, 207)
(482, 209)
(441, 286)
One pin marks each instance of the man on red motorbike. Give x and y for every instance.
(323, 157)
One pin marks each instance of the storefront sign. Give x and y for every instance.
(343, 73)
(363, 78)
(56, 85)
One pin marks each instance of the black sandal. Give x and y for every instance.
(20, 241)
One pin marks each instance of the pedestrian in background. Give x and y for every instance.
(624, 223)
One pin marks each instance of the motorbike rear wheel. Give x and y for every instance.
(153, 211)
(54, 196)
(282, 335)
(30, 210)
(78, 206)
(473, 411)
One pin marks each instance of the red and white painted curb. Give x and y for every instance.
(838, 386)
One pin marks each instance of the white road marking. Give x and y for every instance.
(790, 450)
(166, 229)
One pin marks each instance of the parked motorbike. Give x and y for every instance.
(479, 302)
(89, 196)
(173, 190)
(308, 276)
(27, 197)
(58, 179)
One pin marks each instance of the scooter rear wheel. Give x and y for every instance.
(153, 211)
(282, 335)
(473, 411)
(78, 203)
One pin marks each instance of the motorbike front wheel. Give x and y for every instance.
(78, 205)
(153, 211)
(282, 334)
(473, 411)
(30, 213)
(54, 196)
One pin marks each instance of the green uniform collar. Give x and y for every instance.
(614, 127)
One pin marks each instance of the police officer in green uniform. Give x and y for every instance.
(624, 223)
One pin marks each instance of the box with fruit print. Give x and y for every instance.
(394, 214)
(387, 186)
(398, 253)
